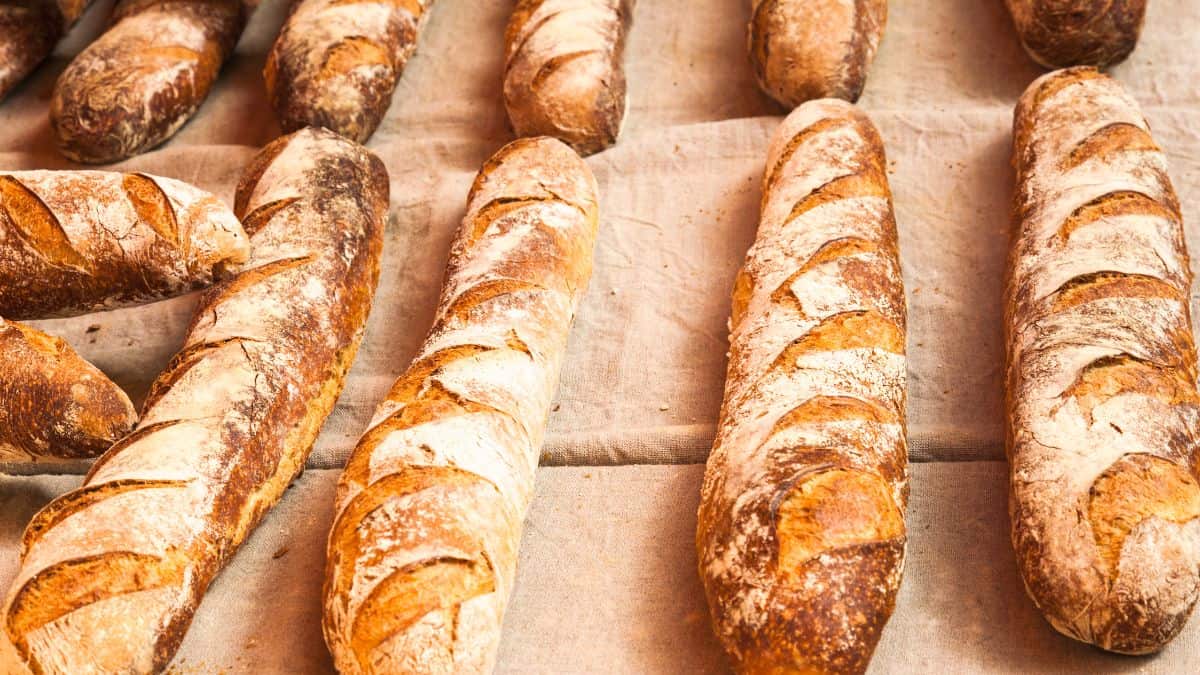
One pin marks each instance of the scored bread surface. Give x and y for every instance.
(337, 62)
(1102, 402)
(563, 74)
(73, 242)
(423, 549)
(809, 49)
(140, 81)
(111, 574)
(1058, 33)
(801, 524)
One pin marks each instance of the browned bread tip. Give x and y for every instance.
(1103, 413)
(1060, 33)
(809, 49)
(52, 402)
(423, 549)
(73, 242)
(564, 74)
(29, 29)
(137, 84)
(801, 529)
(337, 62)
(112, 573)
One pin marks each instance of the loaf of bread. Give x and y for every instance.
(73, 242)
(808, 49)
(337, 62)
(564, 75)
(801, 525)
(111, 574)
(1059, 33)
(423, 549)
(29, 29)
(137, 84)
(52, 402)
(1103, 412)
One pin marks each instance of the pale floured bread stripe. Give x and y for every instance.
(429, 511)
(137, 84)
(73, 242)
(337, 62)
(1102, 401)
(112, 573)
(564, 75)
(808, 49)
(801, 525)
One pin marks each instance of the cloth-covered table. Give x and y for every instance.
(607, 580)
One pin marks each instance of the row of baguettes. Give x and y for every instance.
(336, 63)
(801, 533)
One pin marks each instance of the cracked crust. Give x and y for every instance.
(429, 510)
(73, 242)
(1061, 33)
(140, 81)
(801, 526)
(111, 574)
(809, 49)
(564, 74)
(337, 62)
(1103, 409)
(29, 29)
(55, 404)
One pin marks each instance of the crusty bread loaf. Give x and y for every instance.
(564, 75)
(801, 525)
(137, 84)
(429, 510)
(808, 49)
(52, 402)
(73, 242)
(337, 62)
(111, 574)
(1103, 412)
(1058, 33)
(29, 29)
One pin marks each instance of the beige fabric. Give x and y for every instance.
(607, 583)
(680, 195)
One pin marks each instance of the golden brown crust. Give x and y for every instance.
(112, 573)
(73, 242)
(337, 62)
(137, 84)
(423, 549)
(1061, 33)
(564, 74)
(52, 402)
(1103, 409)
(29, 29)
(801, 526)
(809, 49)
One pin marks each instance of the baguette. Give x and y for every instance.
(337, 62)
(808, 49)
(73, 242)
(52, 402)
(563, 74)
(423, 548)
(29, 29)
(1103, 412)
(137, 84)
(111, 574)
(801, 529)
(1059, 33)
